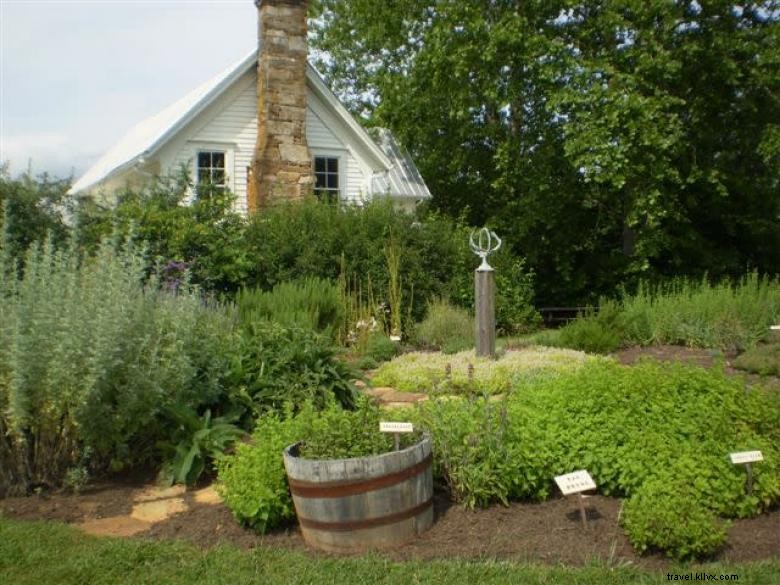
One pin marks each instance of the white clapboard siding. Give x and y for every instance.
(230, 123)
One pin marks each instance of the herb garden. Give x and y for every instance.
(116, 361)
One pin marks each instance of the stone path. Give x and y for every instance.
(151, 504)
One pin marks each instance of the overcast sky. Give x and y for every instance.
(75, 75)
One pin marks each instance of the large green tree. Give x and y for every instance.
(608, 140)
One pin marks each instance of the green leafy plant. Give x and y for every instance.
(273, 365)
(764, 359)
(445, 324)
(594, 332)
(312, 303)
(196, 441)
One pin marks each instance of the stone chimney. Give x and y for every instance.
(282, 165)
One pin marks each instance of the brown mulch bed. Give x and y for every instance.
(548, 532)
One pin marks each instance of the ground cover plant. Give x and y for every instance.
(442, 373)
(731, 316)
(658, 435)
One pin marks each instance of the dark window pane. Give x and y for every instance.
(204, 159)
(321, 182)
(319, 164)
(218, 177)
(203, 175)
(333, 181)
(333, 165)
(218, 160)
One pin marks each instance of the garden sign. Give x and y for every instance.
(396, 428)
(747, 458)
(576, 483)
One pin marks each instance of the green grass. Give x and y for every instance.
(38, 552)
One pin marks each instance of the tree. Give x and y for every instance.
(609, 141)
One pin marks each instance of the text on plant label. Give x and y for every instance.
(396, 427)
(746, 457)
(577, 481)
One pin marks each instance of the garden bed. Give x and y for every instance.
(548, 532)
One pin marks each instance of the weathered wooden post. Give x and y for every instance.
(485, 293)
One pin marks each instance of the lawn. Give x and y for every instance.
(38, 552)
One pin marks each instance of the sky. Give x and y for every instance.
(75, 75)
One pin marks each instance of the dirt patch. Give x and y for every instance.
(548, 532)
(706, 358)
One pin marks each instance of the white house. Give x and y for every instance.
(304, 138)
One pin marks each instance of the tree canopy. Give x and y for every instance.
(606, 140)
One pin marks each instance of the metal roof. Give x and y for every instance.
(145, 139)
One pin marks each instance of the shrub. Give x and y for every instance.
(636, 429)
(594, 332)
(87, 373)
(445, 325)
(311, 303)
(763, 360)
(273, 365)
(665, 514)
(380, 348)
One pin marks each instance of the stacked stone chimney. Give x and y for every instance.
(282, 165)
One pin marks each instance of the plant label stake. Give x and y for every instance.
(396, 428)
(485, 292)
(576, 483)
(747, 458)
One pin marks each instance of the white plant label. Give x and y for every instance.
(396, 427)
(746, 457)
(575, 482)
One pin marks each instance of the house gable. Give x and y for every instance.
(221, 115)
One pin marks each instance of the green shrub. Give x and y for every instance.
(763, 360)
(87, 373)
(273, 365)
(380, 348)
(628, 426)
(445, 324)
(311, 303)
(594, 332)
(253, 482)
(665, 514)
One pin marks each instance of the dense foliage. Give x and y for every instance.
(607, 141)
(91, 361)
(657, 434)
(728, 316)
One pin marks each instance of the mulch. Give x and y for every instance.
(547, 532)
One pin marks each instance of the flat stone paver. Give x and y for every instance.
(114, 526)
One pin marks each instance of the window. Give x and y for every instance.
(211, 168)
(326, 172)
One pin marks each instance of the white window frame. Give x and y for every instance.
(341, 158)
(228, 148)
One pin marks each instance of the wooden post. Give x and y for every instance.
(749, 483)
(583, 516)
(397, 441)
(485, 300)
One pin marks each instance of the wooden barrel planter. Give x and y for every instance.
(346, 505)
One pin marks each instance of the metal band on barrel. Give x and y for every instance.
(338, 489)
(349, 526)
